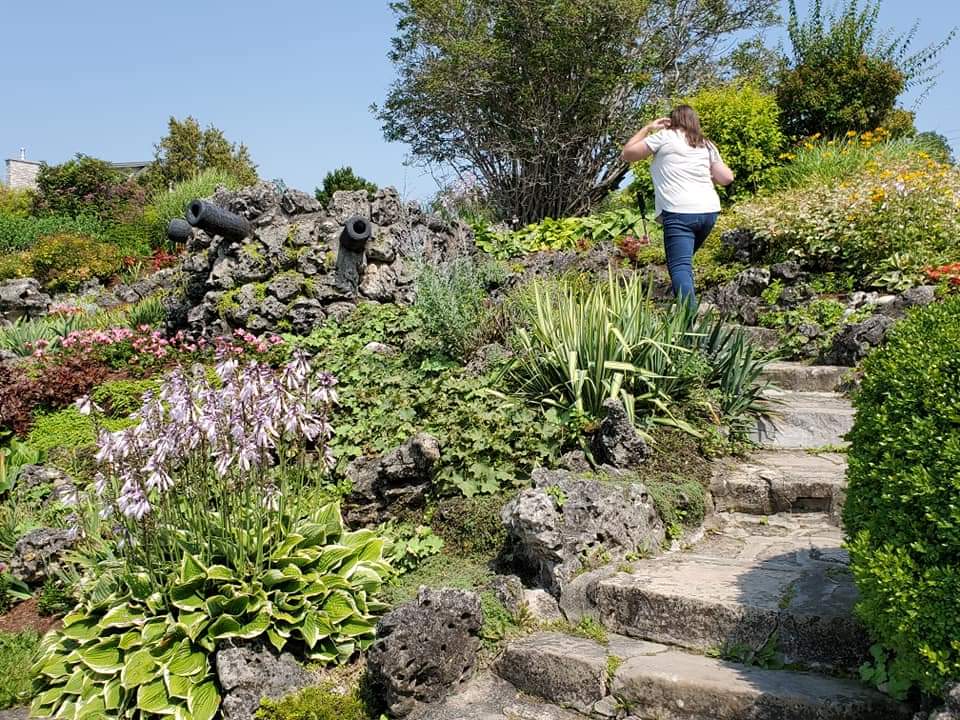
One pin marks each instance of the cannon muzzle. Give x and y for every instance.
(178, 231)
(215, 220)
(356, 232)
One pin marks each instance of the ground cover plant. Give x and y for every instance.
(901, 514)
(882, 224)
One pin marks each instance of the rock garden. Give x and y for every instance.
(290, 456)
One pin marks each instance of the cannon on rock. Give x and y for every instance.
(215, 220)
(178, 232)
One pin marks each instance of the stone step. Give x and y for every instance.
(804, 420)
(790, 605)
(775, 481)
(652, 681)
(798, 377)
(679, 686)
(488, 697)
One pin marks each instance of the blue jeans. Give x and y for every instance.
(683, 234)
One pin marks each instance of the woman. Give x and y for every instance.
(685, 166)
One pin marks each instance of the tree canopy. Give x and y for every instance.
(187, 150)
(536, 97)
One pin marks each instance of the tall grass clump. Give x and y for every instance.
(453, 303)
(169, 204)
(588, 344)
(819, 161)
(19, 233)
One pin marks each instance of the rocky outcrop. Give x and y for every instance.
(617, 441)
(61, 486)
(294, 269)
(425, 649)
(39, 554)
(386, 485)
(249, 672)
(568, 523)
(949, 711)
(22, 298)
(852, 343)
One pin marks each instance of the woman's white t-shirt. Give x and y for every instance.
(682, 180)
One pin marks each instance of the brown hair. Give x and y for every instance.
(684, 117)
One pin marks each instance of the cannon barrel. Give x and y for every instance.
(356, 232)
(178, 231)
(215, 220)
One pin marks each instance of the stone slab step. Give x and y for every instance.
(804, 420)
(798, 377)
(488, 697)
(784, 539)
(679, 686)
(797, 606)
(773, 481)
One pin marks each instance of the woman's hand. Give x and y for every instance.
(659, 124)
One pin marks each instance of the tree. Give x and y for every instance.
(85, 185)
(342, 178)
(187, 150)
(536, 97)
(937, 146)
(844, 74)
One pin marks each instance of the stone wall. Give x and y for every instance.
(291, 273)
(22, 173)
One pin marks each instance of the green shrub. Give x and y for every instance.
(22, 233)
(744, 123)
(882, 225)
(452, 302)
(16, 202)
(845, 73)
(901, 514)
(16, 655)
(322, 702)
(87, 186)
(121, 398)
(343, 178)
(63, 262)
(165, 205)
(587, 345)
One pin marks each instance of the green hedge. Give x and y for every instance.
(903, 508)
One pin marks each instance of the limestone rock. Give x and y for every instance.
(38, 554)
(568, 523)
(294, 202)
(22, 298)
(249, 672)
(854, 341)
(787, 271)
(425, 649)
(398, 480)
(617, 441)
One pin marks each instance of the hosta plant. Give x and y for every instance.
(218, 536)
(133, 650)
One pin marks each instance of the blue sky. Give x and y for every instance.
(294, 82)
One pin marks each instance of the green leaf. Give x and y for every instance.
(81, 629)
(130, 640)
(178, 686)
(220, 572)
(112, 695)
(193, 623)
(276, 639)
(138, 668)
(121, 616)
(54, 668)
(187, 662)
(224, 627)
(203, 701)
(153, 698)
(191, 569)
(93, 707)
(102, 658)
(153, 630)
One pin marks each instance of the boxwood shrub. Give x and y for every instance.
(903, 508)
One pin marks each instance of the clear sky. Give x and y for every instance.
(293, 81)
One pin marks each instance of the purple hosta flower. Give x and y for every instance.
(296, 371)
(132, 501)
(100, 483)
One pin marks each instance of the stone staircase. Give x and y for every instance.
(768, 581)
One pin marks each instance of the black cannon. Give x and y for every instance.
(178, 231)
(356, 232)
(215, 220)
(353, 241)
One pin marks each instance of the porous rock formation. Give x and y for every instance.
(293, 270)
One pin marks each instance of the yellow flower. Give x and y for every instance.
(851, 133)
